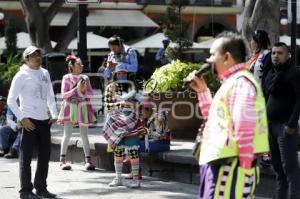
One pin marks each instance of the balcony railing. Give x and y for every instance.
(192, 2)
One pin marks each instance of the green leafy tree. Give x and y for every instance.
(11, 35)
(176, 29)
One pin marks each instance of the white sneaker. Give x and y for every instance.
(134, 184)
(116, 182)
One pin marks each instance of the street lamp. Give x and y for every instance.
(284, 21)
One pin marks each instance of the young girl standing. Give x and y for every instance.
(122, 126)
(76, 109)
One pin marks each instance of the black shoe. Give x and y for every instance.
(11, 154)
(3, 152)
(29, 196)
(45, 194)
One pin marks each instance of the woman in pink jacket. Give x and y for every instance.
(76, 109)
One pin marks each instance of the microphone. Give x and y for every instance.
(205, 68)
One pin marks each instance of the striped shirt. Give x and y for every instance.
(241, 103)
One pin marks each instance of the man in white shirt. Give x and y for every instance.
(32, 85)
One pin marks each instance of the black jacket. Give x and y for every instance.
(281, 86)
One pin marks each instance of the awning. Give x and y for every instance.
(124, 18)
(287, 40)
(155, 41)
(206, 44)
(23, 41)
(93, 42)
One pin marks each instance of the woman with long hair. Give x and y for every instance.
(259, 45)
(120, 54)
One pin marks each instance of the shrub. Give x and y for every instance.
(170, 77)
(10, 68)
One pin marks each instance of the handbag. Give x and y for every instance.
(197, 144)
(196, 147)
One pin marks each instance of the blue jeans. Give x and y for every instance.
(16, 144)
(155, 146)
(285, 161)
(9, 138)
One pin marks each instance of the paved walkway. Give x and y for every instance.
(80, 184)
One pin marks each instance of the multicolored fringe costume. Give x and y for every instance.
(120, 124)
(76, 107)
(222, 181)
(234, 135)
(158, 134)
(121, 131)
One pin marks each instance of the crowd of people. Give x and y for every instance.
(252, 118)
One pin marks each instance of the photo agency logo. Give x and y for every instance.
(179, 105)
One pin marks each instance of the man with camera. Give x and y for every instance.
(236, 130)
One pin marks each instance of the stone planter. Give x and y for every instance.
(183, 112)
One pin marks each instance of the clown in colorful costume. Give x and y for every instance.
(76, 109)
(122, 126)
(236, 130)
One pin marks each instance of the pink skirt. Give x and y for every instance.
(76, 113)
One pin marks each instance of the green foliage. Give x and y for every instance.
(170, 77)
(10, 68)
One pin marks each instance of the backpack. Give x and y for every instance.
(140, 58)
(142, 71)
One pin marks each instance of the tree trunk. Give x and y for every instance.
(69, 33)
(263, 15)
(38, 24)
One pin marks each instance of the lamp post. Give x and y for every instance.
(81, 32)
(294, 32)
(81, 35)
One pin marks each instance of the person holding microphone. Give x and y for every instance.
(236, 130)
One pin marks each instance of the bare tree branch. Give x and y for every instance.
(38, 24)
(53, 9)
(69, 33)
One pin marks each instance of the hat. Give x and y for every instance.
(29, 50)
(121, 67)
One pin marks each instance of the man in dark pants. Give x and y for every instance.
(281, 86)
(32, 85)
